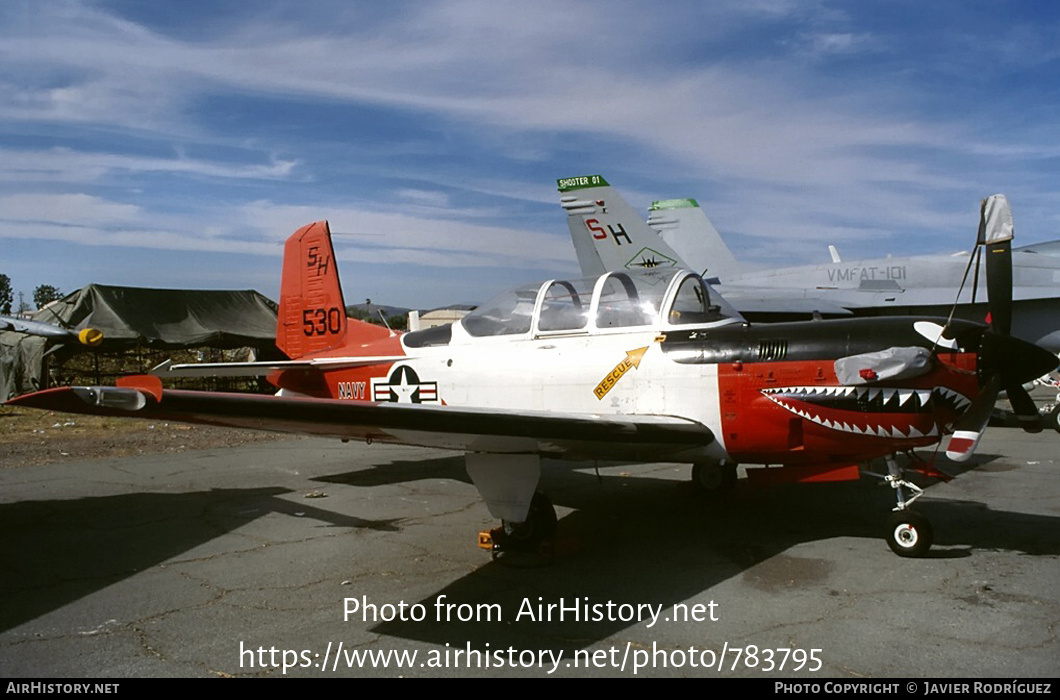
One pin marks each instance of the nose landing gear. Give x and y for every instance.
(908, 534)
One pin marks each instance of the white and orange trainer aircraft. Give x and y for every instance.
(647, 364)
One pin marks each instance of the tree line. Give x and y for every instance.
(43, 294)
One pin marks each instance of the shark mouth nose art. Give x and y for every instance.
(876, 411)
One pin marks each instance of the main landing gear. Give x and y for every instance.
(714, 478)
(908, 534)
(535, 534)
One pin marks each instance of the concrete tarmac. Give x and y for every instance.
(351, 560)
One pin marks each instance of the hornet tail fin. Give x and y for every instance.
(685, 226)
(608, 234)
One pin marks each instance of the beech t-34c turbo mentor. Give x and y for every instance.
(645, 365)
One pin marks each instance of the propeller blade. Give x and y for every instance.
(995, 234)
(1003, 360)
(970, 426)
(1024, 408)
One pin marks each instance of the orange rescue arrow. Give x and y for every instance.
(632, 360)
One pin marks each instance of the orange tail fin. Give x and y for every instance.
(312, 318)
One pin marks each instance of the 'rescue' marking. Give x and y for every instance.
(631, 361)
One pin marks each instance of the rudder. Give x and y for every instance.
(312, 315)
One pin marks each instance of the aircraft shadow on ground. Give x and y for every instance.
(632, 538)
(401, 472)
(56, 552)
(639, 539)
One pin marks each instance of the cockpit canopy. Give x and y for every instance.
(643, 298)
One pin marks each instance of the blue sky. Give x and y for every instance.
(178, 144)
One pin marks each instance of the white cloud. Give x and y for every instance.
(428, 198)
(66, 210)
(398, 235)
(800, 157)
(839, 43)
(506, 66)
(66, 165)
(258, 227)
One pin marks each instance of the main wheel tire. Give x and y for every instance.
(714, 478)
(909, 534)
(540, 524)
(1054, 417)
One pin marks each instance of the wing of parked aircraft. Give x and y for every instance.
(85, 336)
(1046, 248)
(426, 424)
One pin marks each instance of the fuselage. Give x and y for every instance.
(657, 343)
(924, 286)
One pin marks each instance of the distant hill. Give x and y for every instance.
(360, 310)
(397, 317)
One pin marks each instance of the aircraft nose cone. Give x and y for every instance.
(1017, 361)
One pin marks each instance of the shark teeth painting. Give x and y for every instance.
(871, 411)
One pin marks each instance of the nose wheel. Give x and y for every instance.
(909, 534)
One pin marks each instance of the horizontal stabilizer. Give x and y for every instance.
(262, 369)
